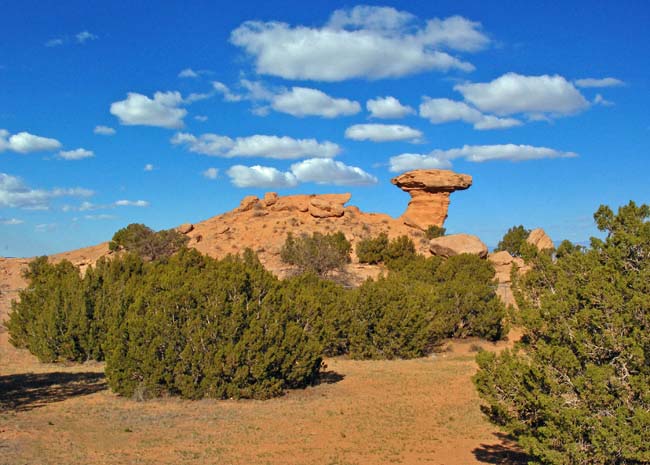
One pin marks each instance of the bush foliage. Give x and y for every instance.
(373, 250)
(318, 253)
(434, 231)
(513, 240)
(576, 389)
(147, 243)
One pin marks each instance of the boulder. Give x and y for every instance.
(502, 262)
(320, 208)
(429, 191)
(248, 203)
(185, 228)
(270, 198)
(540, 239)
(456, 244)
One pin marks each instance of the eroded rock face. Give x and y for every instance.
(185, 228)
(456, 244)
(248, 202)
(429, 191)
(540, 239)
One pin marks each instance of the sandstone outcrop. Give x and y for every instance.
(429, 191)
(248, 202)
(185, 228)
(540, 239)
(456, 244)
(270, 198)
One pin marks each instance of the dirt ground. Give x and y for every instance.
(378, 412)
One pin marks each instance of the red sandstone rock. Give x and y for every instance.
(456, 244)
(429, 191)
(540, 239)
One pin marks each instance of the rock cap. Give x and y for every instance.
(456, 244)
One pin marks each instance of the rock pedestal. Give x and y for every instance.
(429, 191)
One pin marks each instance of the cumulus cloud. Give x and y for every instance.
(316, 170)
(223, 89)
(161, 111)
(513, 93)
(363, 42)
(77, 154)
(256, 146)
(303, 101)
(104, 130)
(201, 118)
(10, 221)
(24, 142)
(131, 203)
(475, 153)
(14, 193)
(328, 171)
(443, 110)
(387, 107)
(600, 100)
(382, 132)
(211, 173)
(85, 36)
(260, 177)
(604, 82)
(149, 167)
(54, 42)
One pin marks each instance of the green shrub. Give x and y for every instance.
(513, 240)
(199, 327)
(417, 268)
(146, 243)
(390, 318)
(576, 389)
(434, 231)
(50, 319)
(318, 253)
(371, 250)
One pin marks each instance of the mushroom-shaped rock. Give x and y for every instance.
(248, 202)
(185, 228)
(456, 244)
(540, 239)
(270, 198)
(328, 206)
(429, 191)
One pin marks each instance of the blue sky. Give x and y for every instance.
(119, 112)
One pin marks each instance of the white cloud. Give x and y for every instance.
(201, 118)
(14, 193)
(303, 101)
(102, 216)
(260, 177)
(328, 171)
(228, 95)
(84, 36)
(131, 203)
(600, 100)
(362, 42)
(188, 73)
(54, 42)
(211, 173)
(443, 110)
(24, 142)
(149, 167)
(10, 221)
(604, 82)
(475, 153)
(387, 107)
(256, 146)
(45, 227)
(416, 161)
(104, 130)
(513, 93)
(77, 154)
(382, 132)
(161, 111)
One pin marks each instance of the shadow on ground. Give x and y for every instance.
(506, 452)
(24, 392)
(329, 377)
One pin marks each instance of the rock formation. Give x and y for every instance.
(429, 191)
(456, 244)
(185, 228)
(540, 239)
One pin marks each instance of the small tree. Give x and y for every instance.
(146, 243)
(576, 389)
(434, 231)
(318, 253)
(513, 240)
(372, 249)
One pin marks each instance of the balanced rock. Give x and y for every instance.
(456, 244)
(540, 239)
(429, 191)
(502, 262)
(328, 206)
(185, 228)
